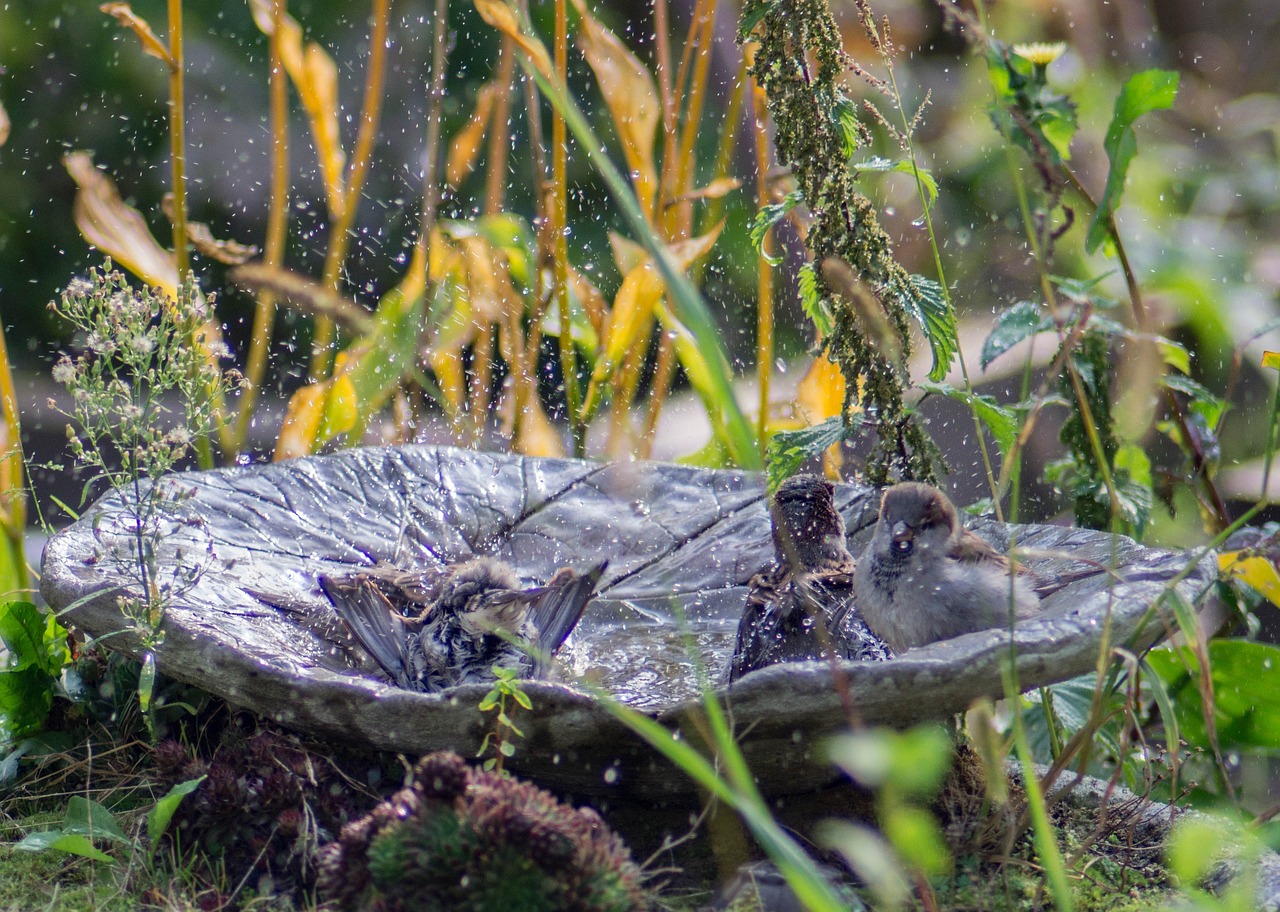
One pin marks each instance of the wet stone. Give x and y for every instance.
(253, 626)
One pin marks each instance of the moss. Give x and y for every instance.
(799, 64)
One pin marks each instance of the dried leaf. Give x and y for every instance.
(232, 253)
(315, 76)
(151, 43)
(118, 230)
(4, 125)
(467, 142)
(503, 17)
(717, 189)
(627, 254)
(303, 294)
(631, 97)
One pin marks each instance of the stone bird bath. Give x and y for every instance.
(681, 543)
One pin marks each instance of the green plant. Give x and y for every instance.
(461, 839)
(139, 352)
(506, 691)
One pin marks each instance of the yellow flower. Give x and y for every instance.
(1041, 53)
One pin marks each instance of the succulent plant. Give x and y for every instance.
(465, 840)
(267, 802)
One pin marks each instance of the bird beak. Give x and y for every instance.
(902, 533)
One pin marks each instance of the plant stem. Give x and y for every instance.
(560, 240)
(277, 227)
(177, 140)
(340, 234)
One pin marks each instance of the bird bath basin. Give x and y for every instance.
(681, 542)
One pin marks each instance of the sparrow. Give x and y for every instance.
(924, 577)
(802, 607)
(429, 630)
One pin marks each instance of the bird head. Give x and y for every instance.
(915, 516)
(808, 531)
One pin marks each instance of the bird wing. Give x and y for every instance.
(557, 607)
(371, 618)
(761, 616)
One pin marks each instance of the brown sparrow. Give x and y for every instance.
(429, 630)
(924, 577)
(802, 607)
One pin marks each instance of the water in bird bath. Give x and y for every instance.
(639, 650)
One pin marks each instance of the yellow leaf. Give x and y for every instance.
(446, 364)
(820, 394)
(631, 97)
(341, 408)
(467, 142)
(1271, 359)
(301, 421)
(627, 254)
(118, 230)
(319, 94)
(315, 76)
(151, 44)
(632, 309)
(535, 434)
(502, 17)
(1258, 572)
(642, 287)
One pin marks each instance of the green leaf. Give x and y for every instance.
(1149, 90)
(1246, 692)
(33, 638)
(26, 697)
(58, 841)
(925, 302)
(160, 816)
(522, 698)
(89, 818)
(147, 681)
(915, 834)
(906, 166)
(815, 308)
(489, 701)
(921, 758)
(788, 450)
(1133, 486)
(770, 215)
(1000, 421)
(1016, 323)
(753, 13)
(846, 116)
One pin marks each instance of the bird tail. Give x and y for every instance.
(370, 616)
(556, 609)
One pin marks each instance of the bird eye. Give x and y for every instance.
(904, 547)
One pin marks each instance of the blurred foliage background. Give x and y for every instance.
(1200, 214)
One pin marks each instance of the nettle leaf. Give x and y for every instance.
(1000, 421)
(770, 215)
(753, 13)
(1200, 400)
(1018, 322)
(788, 450)
(925, 302)
(846, 113)
(815, 308)
(1133, 486)
(1149, 90)
(906, 166)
